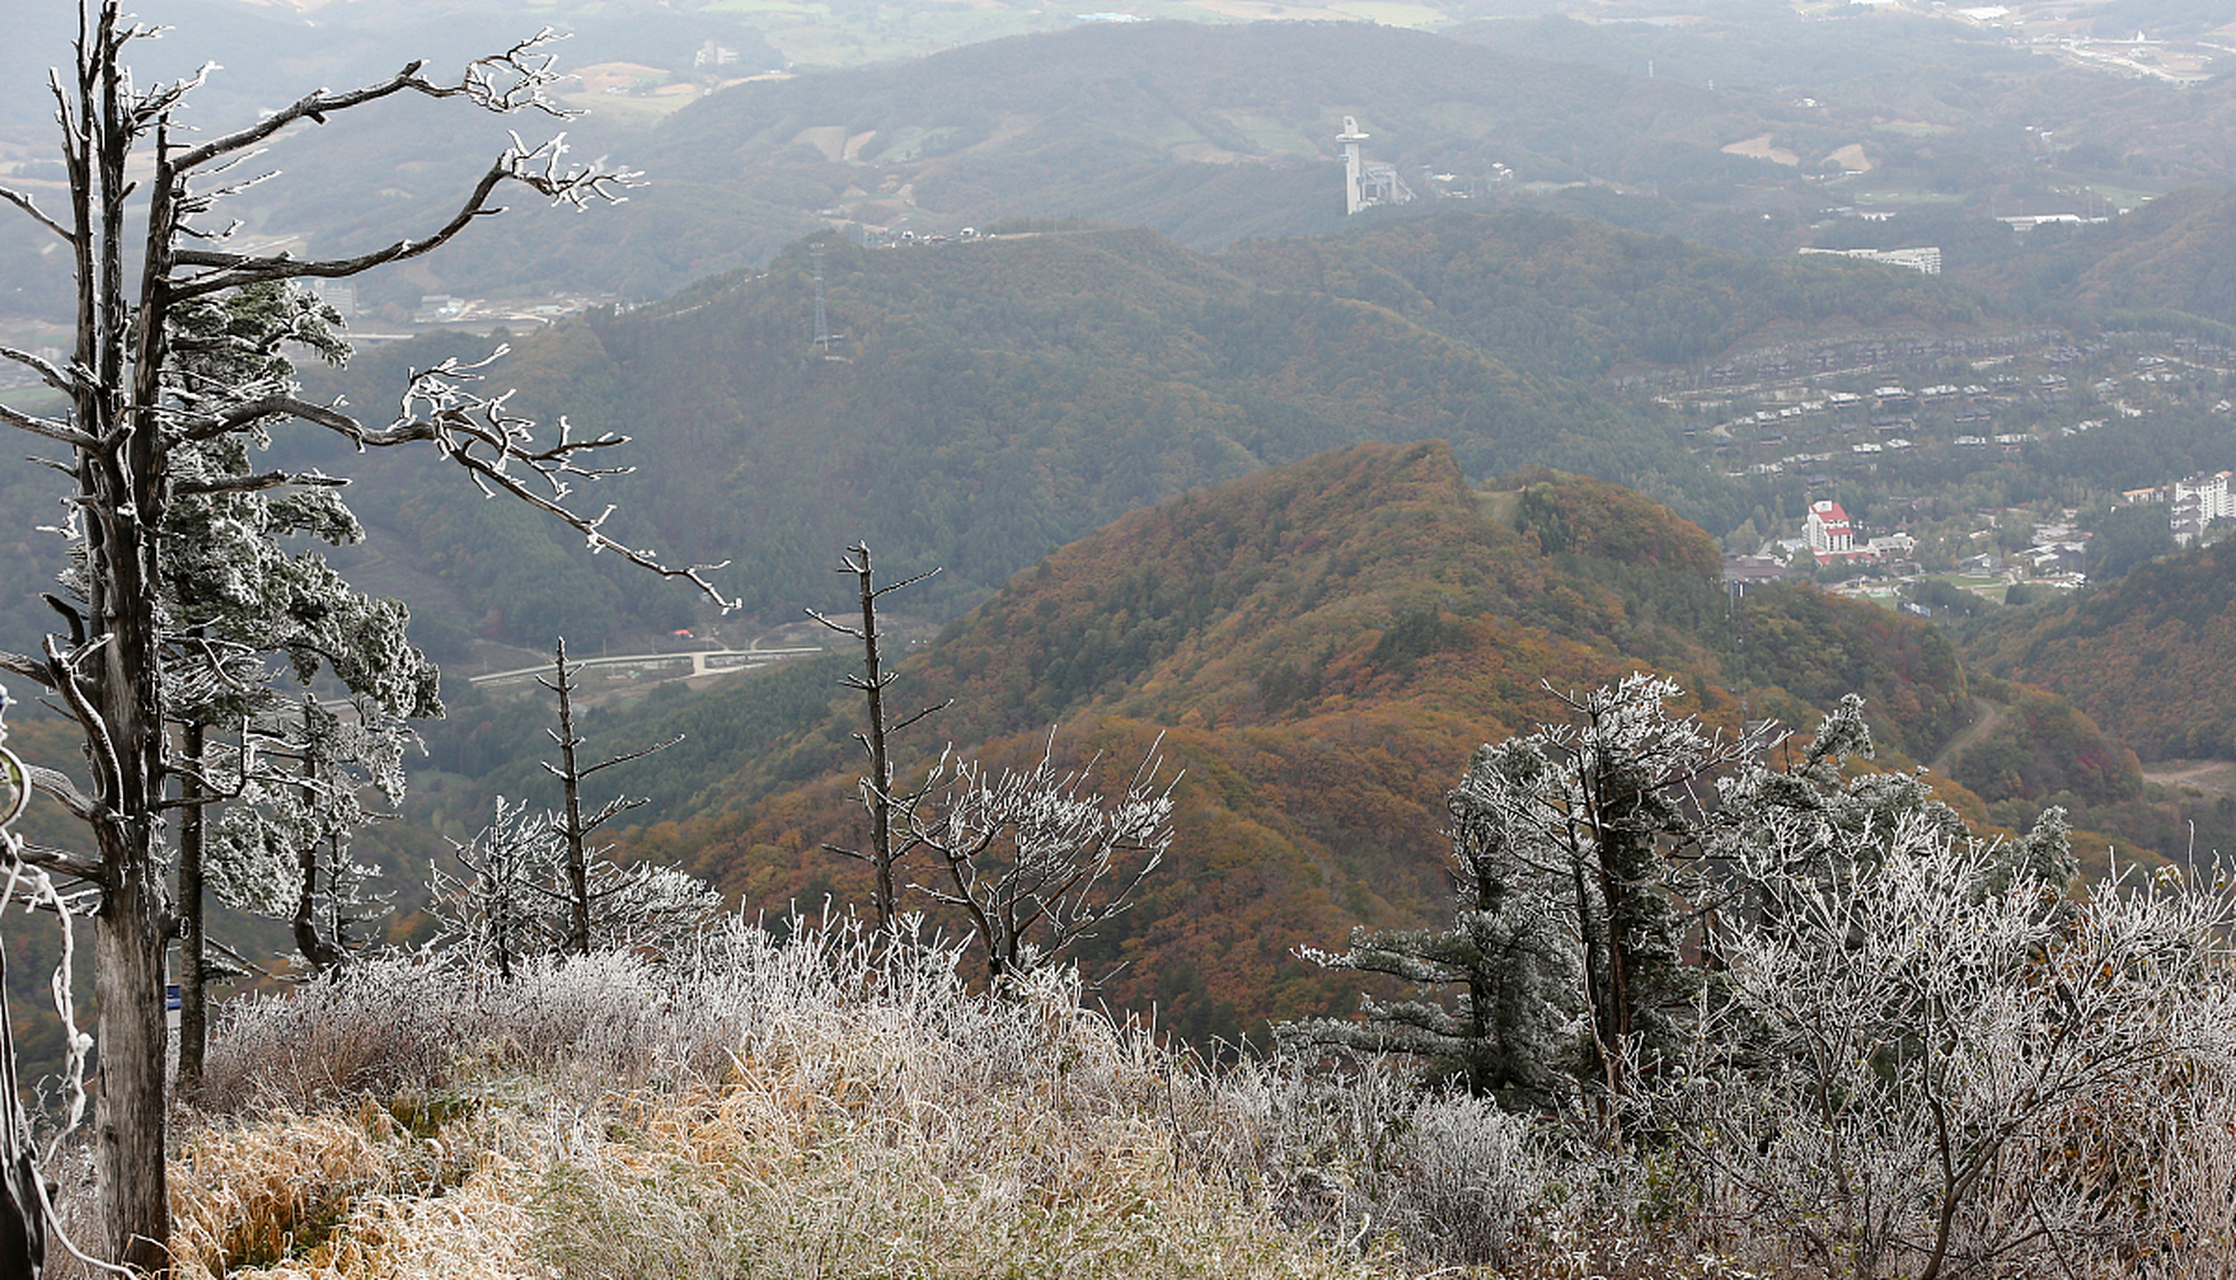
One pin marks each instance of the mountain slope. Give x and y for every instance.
(1321, 646)
(2175, 253)
(2147, 657)
(995, 399)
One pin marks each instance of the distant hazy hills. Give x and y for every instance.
(1207, 134)
(1210, 134)
(1733, 127)
(988, 401)
(1323, 645)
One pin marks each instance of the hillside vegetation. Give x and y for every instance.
(1321, 646)
(998, 399)
(2147, 656)
(810, 1098)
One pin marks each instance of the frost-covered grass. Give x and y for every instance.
(817, 1108)
(759, 1109)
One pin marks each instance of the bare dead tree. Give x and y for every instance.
(878, 796)
(584, 892)
(129, 419)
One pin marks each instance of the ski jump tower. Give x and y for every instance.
(1366, 185)
(1351, 138)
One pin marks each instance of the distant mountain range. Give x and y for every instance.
(984, 402)
(1748, 126)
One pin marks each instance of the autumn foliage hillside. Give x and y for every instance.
(1322, 646)
(2147, 657)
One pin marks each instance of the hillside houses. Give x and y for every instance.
(2192, 503)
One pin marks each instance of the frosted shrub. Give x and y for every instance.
(405, 1024)
(1473, 1175)
(1944, 1067)
(409, 1023)
(376, 1028)
(1448, 1179)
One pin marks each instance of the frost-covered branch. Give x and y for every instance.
(541, 169)
(51, 428)
(67, 862)
(260, 482)
(509, 81)
(1036, 859)
(48, 372)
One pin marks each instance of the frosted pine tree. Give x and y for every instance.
(1576, 852)
(1511, 1023)
(242, 602)
(144, 248)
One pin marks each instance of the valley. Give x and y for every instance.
(1346, 638)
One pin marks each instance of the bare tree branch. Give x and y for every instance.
(23, 202)
(47, 858)
(233, 270)
(30, 668)
(211, 426)
(607, 764)
(48, 373)
(100, 745)
(58, 785)
(48, 427)
(527, 65)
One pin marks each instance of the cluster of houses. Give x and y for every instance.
(2056, 558)
(1831, 537)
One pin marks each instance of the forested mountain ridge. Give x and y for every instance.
(994, 400)
(1322, 646)
(2147, 656)
(2172, 254)
(1542, 290)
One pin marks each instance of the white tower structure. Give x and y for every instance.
(822, 321)
(1366, 185)
(1353, 200)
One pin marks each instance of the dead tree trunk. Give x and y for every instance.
(575, 830)
(876, 736)
(128, 418)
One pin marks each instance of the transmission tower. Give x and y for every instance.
(822, 322)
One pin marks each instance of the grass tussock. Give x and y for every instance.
(825, 1106)
(760, 1109)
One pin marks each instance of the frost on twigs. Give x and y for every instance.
(500, 450)
(510, 901)
(1036, 859)
(172, 381)
(516, 79)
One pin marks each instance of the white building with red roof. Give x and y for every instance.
(1830, 533)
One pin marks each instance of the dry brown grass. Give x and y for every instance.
(851, 1144)
(807, 1110)
(819, 1109)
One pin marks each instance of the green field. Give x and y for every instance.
(1987, 586)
